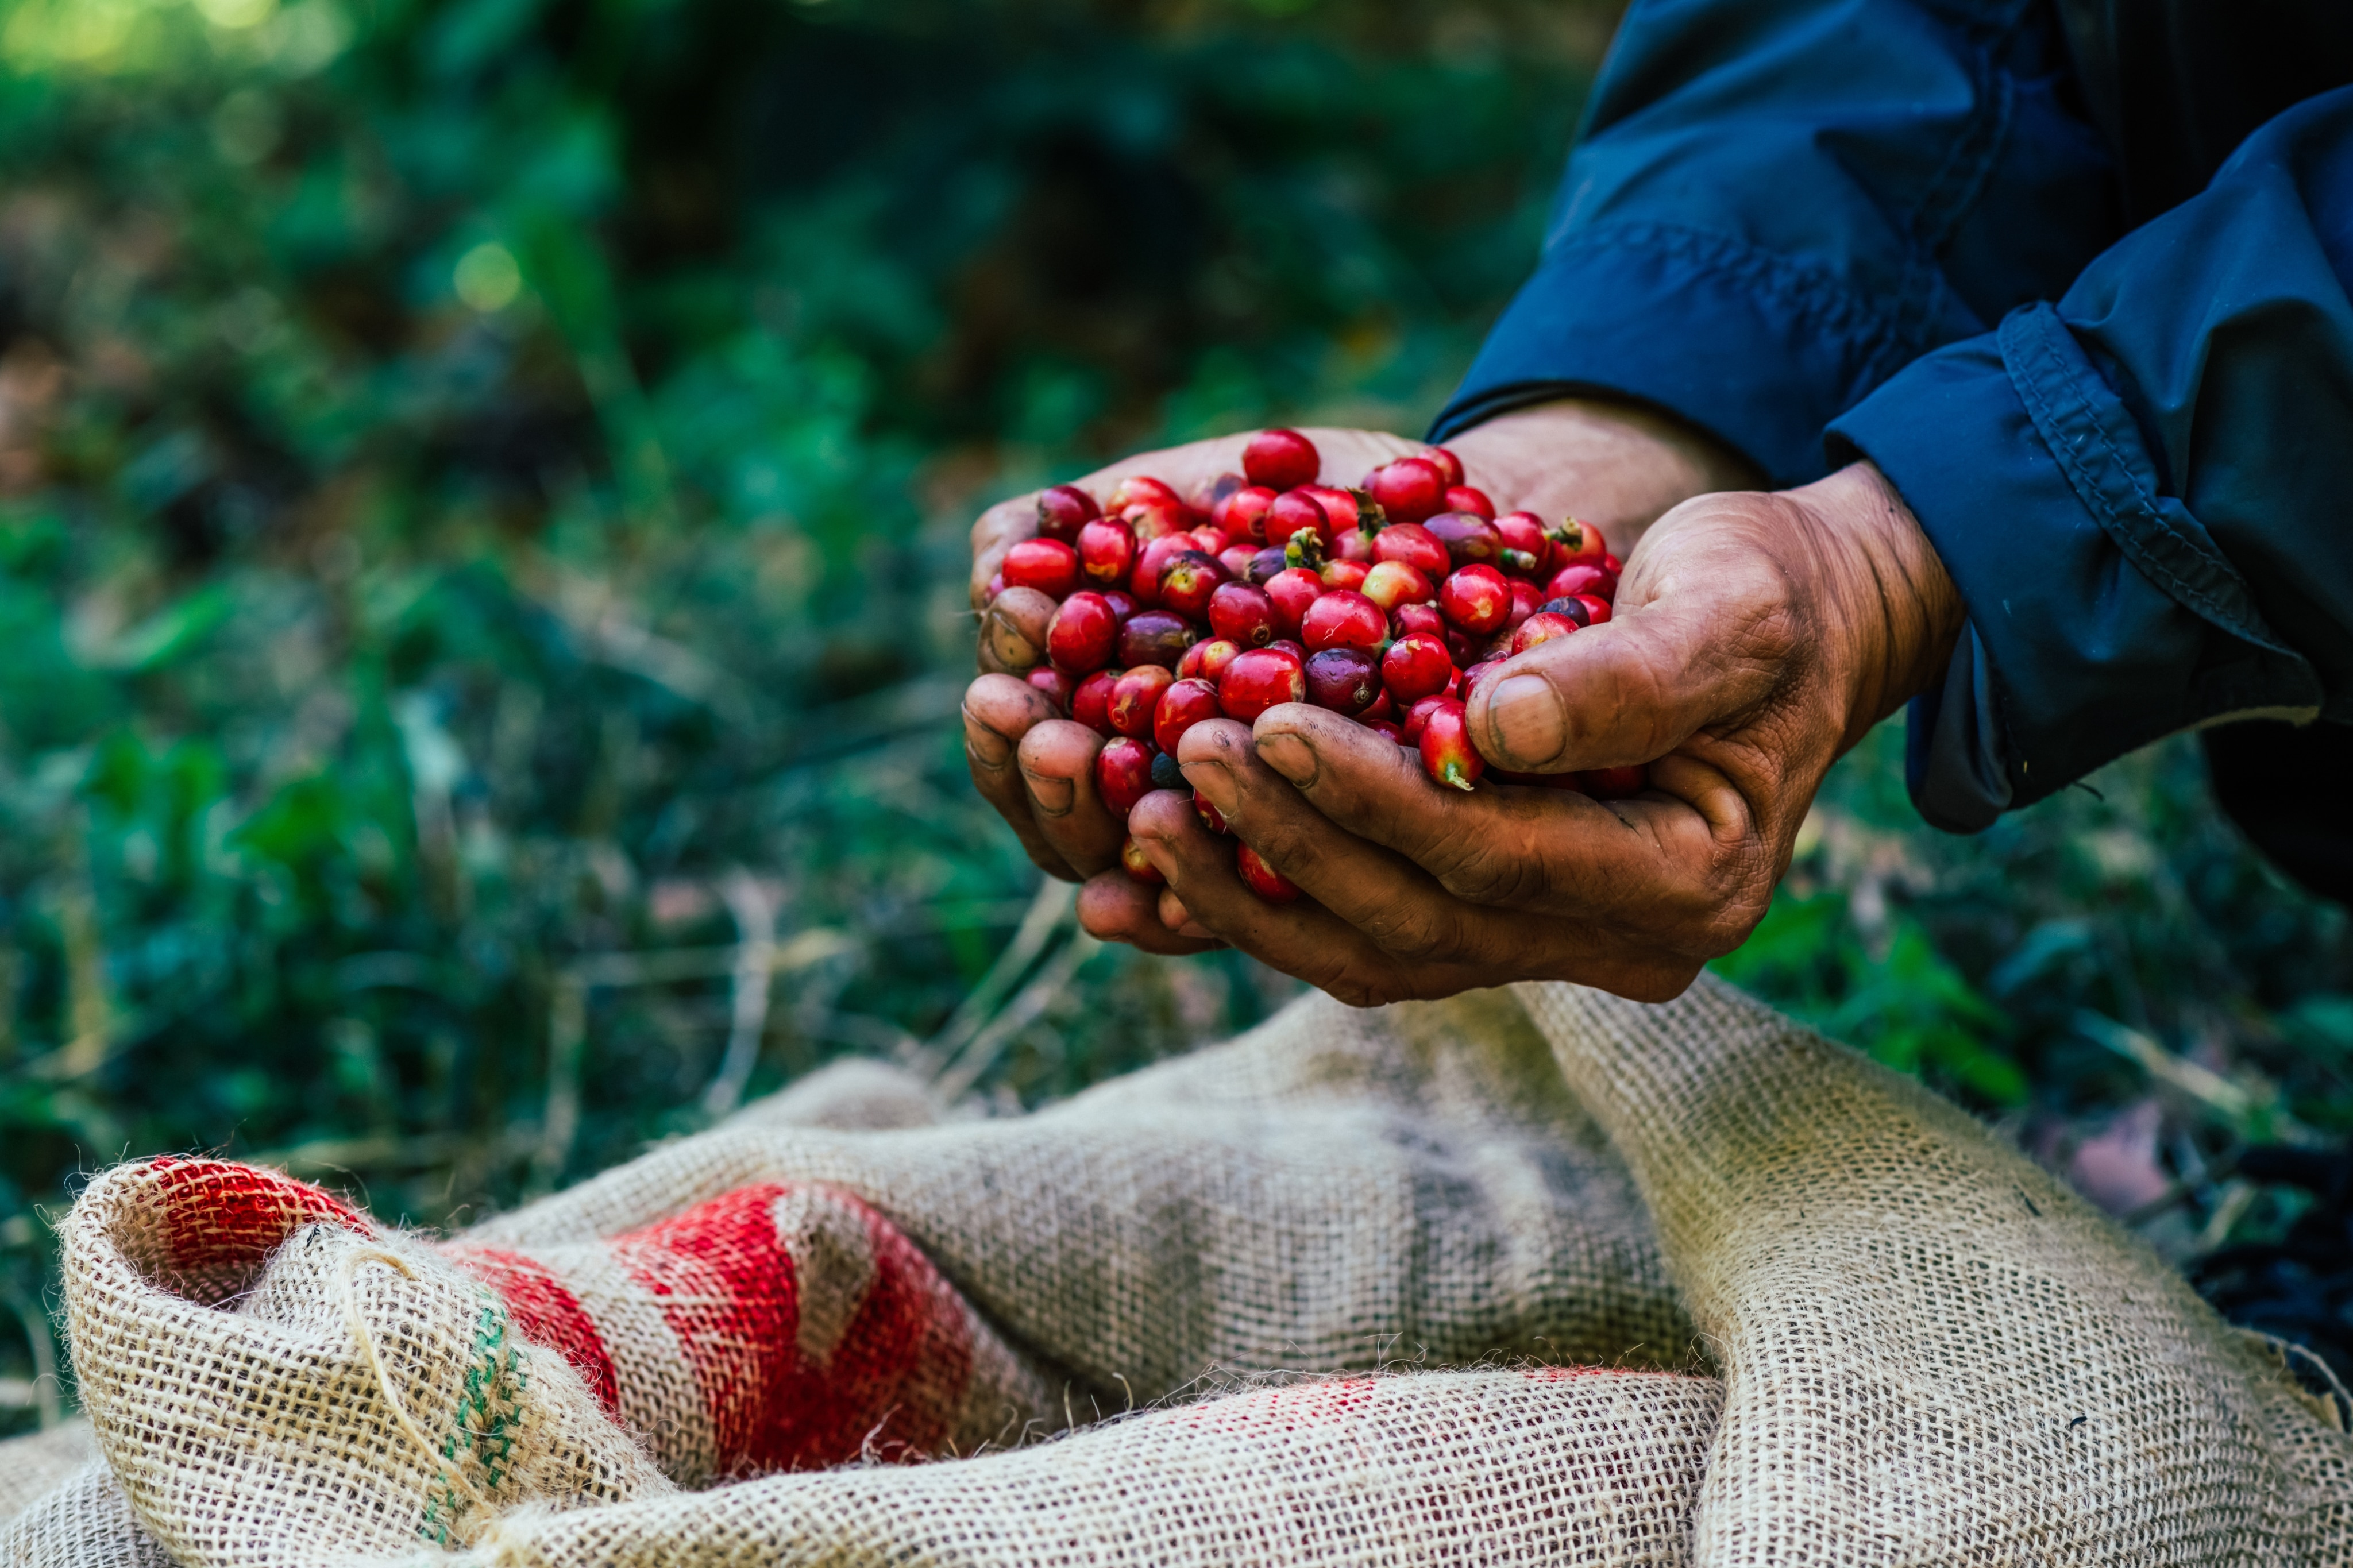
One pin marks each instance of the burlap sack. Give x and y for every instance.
(1930, 1352)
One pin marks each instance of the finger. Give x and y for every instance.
(1057, 758)
(1115, 907)
(1705, 640)
(994, 532)
(999, 710)
(1013, 630)
(1303, 939)
(1656, 867)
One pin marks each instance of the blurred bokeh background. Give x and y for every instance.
(482, 498)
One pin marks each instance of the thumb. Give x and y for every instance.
(1634, 687)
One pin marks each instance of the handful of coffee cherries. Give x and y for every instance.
(1387, 604)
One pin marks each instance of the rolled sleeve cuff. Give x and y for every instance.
(1759, 351)
(2100, 614)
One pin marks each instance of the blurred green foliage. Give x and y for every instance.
(483, 487)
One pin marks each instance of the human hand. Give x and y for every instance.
(1757, 636)
(1614, 466)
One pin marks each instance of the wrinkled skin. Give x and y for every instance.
(1757, 636)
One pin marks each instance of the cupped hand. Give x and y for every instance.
(1757, 636)
(1619, 467)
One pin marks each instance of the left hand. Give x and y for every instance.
(1758, 637)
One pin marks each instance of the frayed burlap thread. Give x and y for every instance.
(1932, 1351)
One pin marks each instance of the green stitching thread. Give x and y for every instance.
(490, 1407)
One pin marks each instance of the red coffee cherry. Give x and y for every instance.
(1464, 498)
(1415, 668)
(1409, 489)
(1122, 774)
(1187, 581)
(1136, 864)
(1062, 510)
(1542, 626)
(1211, 817)
(1294, 510)
(1526, 600)
(1448, 464)
(1122, 603)
(1599, 608)
(1344, 619)
(1242, 614)
(1259, 680)
(1293, 592)
(1263, 878)
(1574, 541)
(1106, 551)
(1151, 561)
(1476, 599)
(1136, 697)
(1083, 634)
(1243, 513)
(1392, 584)
(1090, 704)
(1280, 459)
(1182, 706)
(1340, 511)
(1523, 532)
(1416, 546)
(1447, 754)
(1057, 686)
(1048, 565)
(1155, 637)
(1347, 680)
(1142, 489)
(1407, 619)
(1418, 716)
(1469, 540)
(1235, 559)
(1208, 661)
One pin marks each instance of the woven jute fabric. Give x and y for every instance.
(1924, 1351)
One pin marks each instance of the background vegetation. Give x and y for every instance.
(483, 487)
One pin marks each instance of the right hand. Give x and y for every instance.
(1617, 468)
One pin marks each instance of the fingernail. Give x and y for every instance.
(989, 749)
(1051, 794)
(1525, 718)
(1216, 785)
(1288, 755)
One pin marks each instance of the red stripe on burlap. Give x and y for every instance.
(893, 1386)
(546, 1313)
(219, 1222)
(724, 1284)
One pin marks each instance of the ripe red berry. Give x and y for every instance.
(1293, 592)
(1407, 619)
(1409, 489)
(1235, 559)
(1382, 708)
(1574, 541)
(1523, 532)
(1280, 459)
(1526, 600)
(1242, 614)
(1294, 510)
(1416, 546)
(1340, 511)
(1122, 603)
(1599, 608)
(1136, 864)
(1349, 574)
(1122, 774)
(1151, 522)
(1062, 510)
(1090, 704)
(1343, 619)
(1345, 679)
(1581, 577)
(1612, 564)
(1135, 697)
(1155, 637)
(1613, 783)
(1573, 609)
(1265, 565)
(1208, 661)
(1542, 626)
(1083, 634)
(1465, 498)
(1416, 716)
(1211, 817)
(1151, 561)
(1469, 540)
(1263, 878)
(1243, 513)
(1057, 686)
(1260, 679)
(1187, 581)
(1392, 584)
(1048, 565)
(1476, 599)
(1382, 727)
(1295, 652)
(1142, 489)
(1416, 667)
(1182, 706)
(1106, 550)
(1448, 464)
(1475, 677)
(1447, 754)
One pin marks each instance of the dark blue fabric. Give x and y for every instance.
(1788, 218)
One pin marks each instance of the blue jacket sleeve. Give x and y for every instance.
(2142, 492)
(1775, 205)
